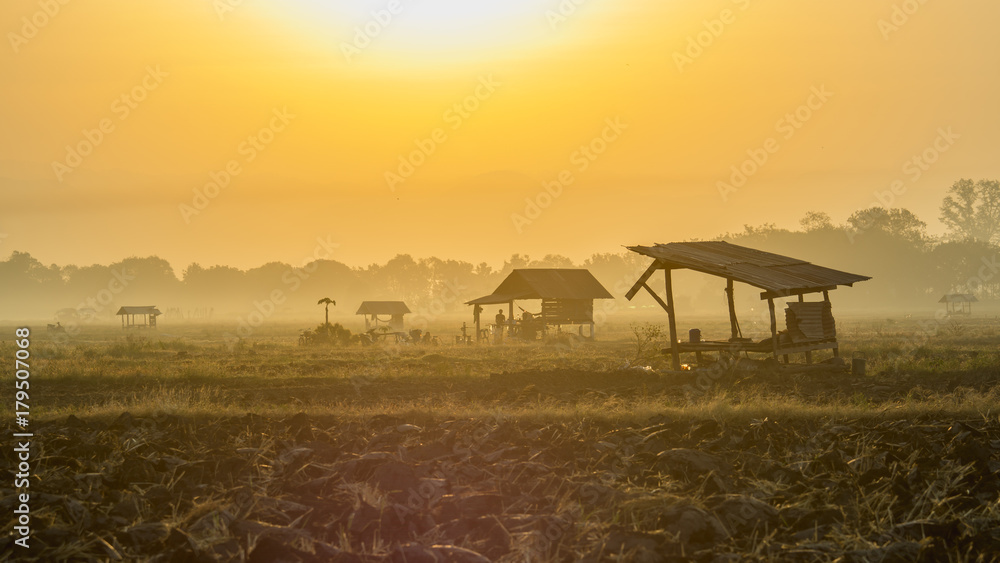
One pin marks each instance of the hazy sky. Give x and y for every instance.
(422, 127)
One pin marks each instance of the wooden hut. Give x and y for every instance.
(393, 312)
(567, 298)
(959, 304)
(809, 326)
(139, 317)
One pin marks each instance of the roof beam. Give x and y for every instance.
(792, 292)
(657, 298)
(643, 279)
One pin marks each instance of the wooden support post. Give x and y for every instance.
(656, 298)
(643, 279)
(836, 347)
(510, 319)
(774, 328)
(809, 355)
(734, 324)
(675, 350)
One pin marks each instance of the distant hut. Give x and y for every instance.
(809, 326)
(393, 312)
(567, 298)
(959, 304)
(139, 317)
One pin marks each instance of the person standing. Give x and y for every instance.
(501, 321)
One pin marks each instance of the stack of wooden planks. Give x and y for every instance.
(810, 321)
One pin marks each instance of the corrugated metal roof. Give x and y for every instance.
(546, 283)
(143, 310)
(959, 298)
(768, 271)
(383, 308)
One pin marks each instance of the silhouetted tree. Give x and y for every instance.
(896, 223)
(959, 267)
(402, 277)
(552, 261)
(327, 301)
(516, 262)
(971, 210)
(815, 221)
(218, 286)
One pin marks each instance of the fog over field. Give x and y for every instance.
(911, 271)
(512, 281)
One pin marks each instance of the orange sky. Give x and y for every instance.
(313, 109)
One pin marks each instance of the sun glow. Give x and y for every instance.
(442, 29)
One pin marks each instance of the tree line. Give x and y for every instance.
(910, 270)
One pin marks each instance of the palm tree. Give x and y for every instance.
(328, 302)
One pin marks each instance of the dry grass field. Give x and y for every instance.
(174, 446)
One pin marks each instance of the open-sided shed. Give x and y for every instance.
(959, 303)
(139, 317)
(567, 296)
(392, 310)
(809, 325)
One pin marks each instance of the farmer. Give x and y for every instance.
(500, 321)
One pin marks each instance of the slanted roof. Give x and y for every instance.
(143, 310)
(774, 273)
(545, 283)
(383, 308)
(959, 298)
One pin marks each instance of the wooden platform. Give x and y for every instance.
(740, 346)
(763, 347)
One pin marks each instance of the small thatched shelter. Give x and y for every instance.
(393, 312)
(139, 317)
(567, 298)
(959, 304)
